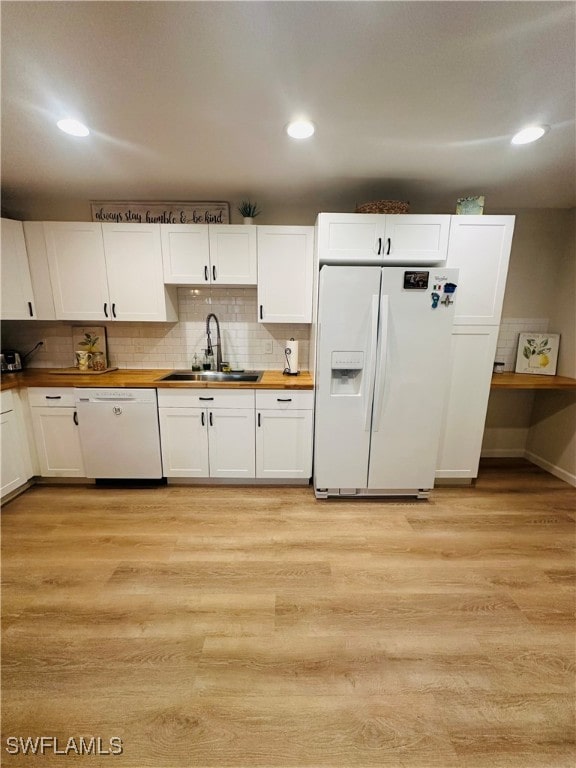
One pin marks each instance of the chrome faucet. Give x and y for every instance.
(209, 348)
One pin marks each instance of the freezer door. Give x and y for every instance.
(347, 341)
(412, 376)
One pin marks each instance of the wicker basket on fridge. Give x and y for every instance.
(384, 206)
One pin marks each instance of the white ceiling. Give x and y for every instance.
(188, 101)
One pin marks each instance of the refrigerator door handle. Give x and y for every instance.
(381, 365)
(372, 363)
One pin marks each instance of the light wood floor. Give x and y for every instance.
(243, 628)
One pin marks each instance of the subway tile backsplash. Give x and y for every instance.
(246, 343)
(510, 329)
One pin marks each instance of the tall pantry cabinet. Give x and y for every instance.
(479, 246)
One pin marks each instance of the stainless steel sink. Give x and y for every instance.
(216, 376)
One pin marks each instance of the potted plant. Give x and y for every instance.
(248, 211)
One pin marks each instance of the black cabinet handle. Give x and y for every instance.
(205, 398)
(53, 397)
(75, 417)
(30, 310)
(261, 312)
(213, 272)
(388, 248)
(106, 309)
(113, 310)
(284, 399)
(379, 245)
(202, 418)
(210, 417)
(258, 419)
(206, 272)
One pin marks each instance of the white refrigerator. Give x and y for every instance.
(382, 374)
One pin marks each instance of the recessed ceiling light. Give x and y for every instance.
(300, 129)
(73, 127)
(531, 133)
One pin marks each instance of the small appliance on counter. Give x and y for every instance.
(12, 361)
(291, 354)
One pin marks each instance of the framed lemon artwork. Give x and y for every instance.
(537, 353)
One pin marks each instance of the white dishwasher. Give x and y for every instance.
(119, 432)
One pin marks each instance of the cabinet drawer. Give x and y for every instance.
(6, 401)
(206, 398)
(282, 399)
(57, 397)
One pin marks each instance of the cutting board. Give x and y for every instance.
(78, 372)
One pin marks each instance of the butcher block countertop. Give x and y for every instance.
(531, 381)
(41, 377)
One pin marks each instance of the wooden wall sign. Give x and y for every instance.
(161, 213)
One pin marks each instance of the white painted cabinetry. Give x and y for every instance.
(284, 424)
(14, 461)
(17, 296)
(365, 238)
(479, 247)
(209, 254)
(207, 433)
(56, 434)
(107, 272)
(471, 361)
(285, 274)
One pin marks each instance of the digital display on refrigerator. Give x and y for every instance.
(416, 280)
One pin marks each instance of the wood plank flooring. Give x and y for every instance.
(229, 627)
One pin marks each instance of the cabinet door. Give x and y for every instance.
(39, 270)
(285, 274)
(413, 239)
(184, 442)
(135, 275)
(232, 442)
(284, 444)
(350, 238)
(185, 253)
(77, 270)
(13, 473)
(471, 363)
(17, 297)
(480, 247)
(232, 254)
(57, 442)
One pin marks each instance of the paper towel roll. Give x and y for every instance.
(291, 352)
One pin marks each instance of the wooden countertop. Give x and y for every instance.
(531, 381)
(41, 377)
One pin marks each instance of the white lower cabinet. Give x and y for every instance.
(13, 470)
(284, 424)
(56, 434)
(207, 433)
(471, 362)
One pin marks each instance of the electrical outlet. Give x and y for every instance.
(44, 348)
(268, 347)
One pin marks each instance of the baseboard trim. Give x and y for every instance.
(503, 453)
(552, 468)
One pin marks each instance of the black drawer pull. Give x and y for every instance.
(284, 399)
(205, 398)
(213, 273)
(379, 245)
(206, 272)
(75, 417)
(388, 249)
(53, 397)
(106, 309)
(211, 422)
(259, 420)
(30, 310)
(202, 419)
(261, 312)
(113, 310)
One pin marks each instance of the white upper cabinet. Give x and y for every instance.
(107, 272)
(365, 238)
(77, 266)
(209, 254)
(285, 274)
(480, 247)
(135, 277)
(17, 295)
